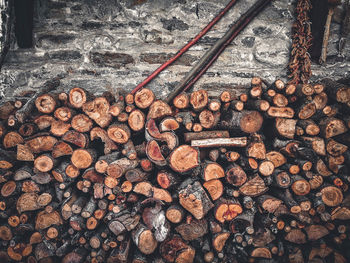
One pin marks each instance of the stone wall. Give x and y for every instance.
(108, 44)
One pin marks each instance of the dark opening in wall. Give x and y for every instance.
(24, 22)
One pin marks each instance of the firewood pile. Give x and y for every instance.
(255, 177)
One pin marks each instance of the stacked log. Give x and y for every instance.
(255, 177)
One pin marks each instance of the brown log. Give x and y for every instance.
(220, 142)
(256, 92)
(162, 194)
(261, 252)
(44, 163)
(281, 112)
(166, 179)
(183, 159)
(304, 90)
(235, 175)
(300, 186)
(199, 100)
(136, 120)
(159, 109)
(317, 144)
(208, 119)
(229, 95)
(336, 90)
(119, 167)
(81, 123)
(331, 127)
(63, 113)
(78, 139)
(168, 124)
(98, 110)
(189, 136)
(43, 121)
(195, 200)
(83, 158)
(119, 133)
(277, 158)
(315, 232)
(154, 153)
(77, 97)
(27, 129)
(46, 103)
(214, 105)
(260, 105)
(193, 230)
(175, 214)
(24, 153)
(320, 100)
(6, 109)
(11, 139)
(254, 187)
(296, 236)
(144, 98)
(280, 100)
(174, 249)
(181, 101)
(123, 117)
(116, 108)
(215, 188)
(186, 119)
(99, 133)
(269, 203)
(232, 156)
(144, 239)
(266, 168)
(246, 121)
(58, 128)
(285, 127)
(227, 209)
(332, 196)
(219, 241)
(256, 147)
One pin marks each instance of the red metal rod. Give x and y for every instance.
(222, 48)
(185, 48)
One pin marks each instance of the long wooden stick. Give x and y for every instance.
(186, 47)
(213, 53)
(326, 36)
(222, 48)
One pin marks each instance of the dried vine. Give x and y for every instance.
(300, 63)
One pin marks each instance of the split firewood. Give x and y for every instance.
(129, 178)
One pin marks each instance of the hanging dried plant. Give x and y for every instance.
(300, 64)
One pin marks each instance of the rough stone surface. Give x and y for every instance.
(108, 44)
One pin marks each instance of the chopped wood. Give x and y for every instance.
(87, 178)
(220, 142)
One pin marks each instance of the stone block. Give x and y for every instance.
(109, 59)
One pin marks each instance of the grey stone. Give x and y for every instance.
(248, 41)
(48, 39)
(108, 59)
(118, 43)
(174, 24)
(65, 55)
(262, 30)
(272, 51)
(91, 25)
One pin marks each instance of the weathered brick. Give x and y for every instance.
(109, 59)
(174, 24)
(49, 40)
(160, 58)
(91, 25)
(65, 55)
